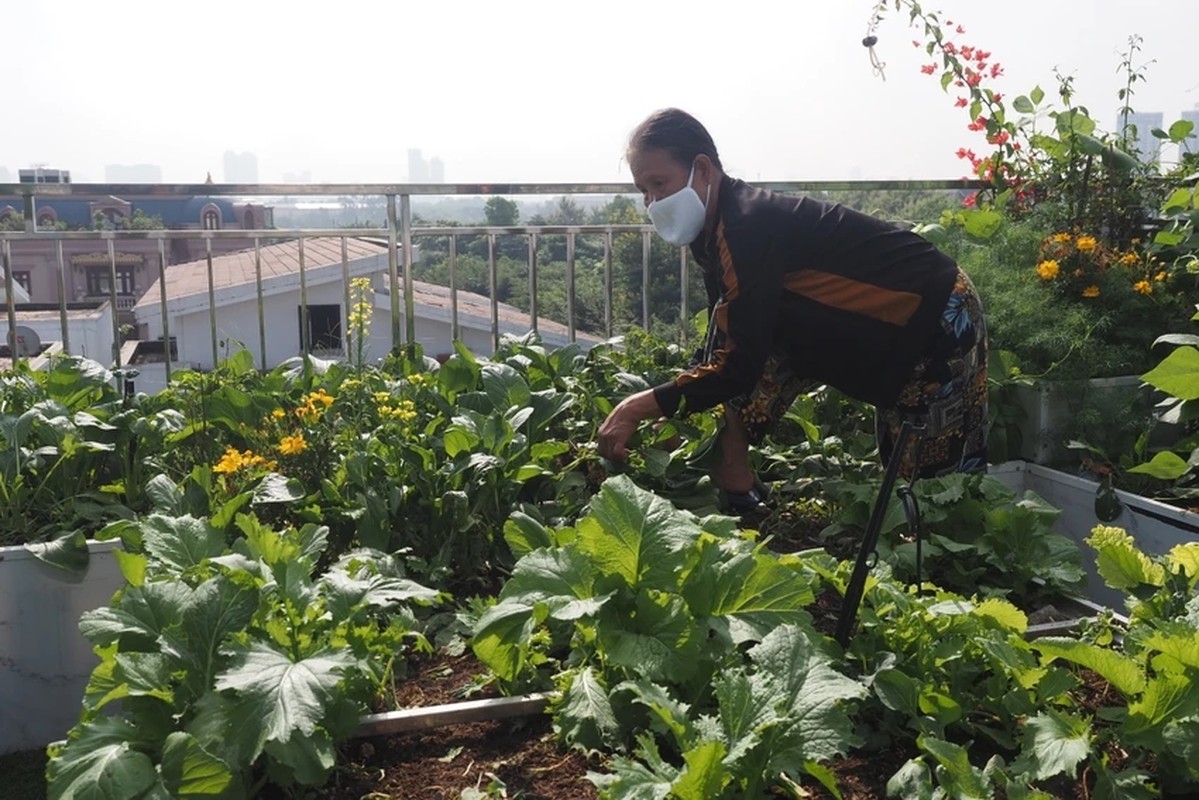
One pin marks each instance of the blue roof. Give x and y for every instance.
(173, 210)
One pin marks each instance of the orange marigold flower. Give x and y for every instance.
(1091, 291)
(1048, 269)
(1144, 287)
(1060, 238)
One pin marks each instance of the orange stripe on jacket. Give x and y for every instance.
(887, 305)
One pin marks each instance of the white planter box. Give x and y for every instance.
(1155, 526)
(45, 662)
(1049, 407)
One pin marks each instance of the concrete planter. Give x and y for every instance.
(1156, 526)
(45, 662)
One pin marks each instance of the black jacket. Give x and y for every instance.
(851, 300)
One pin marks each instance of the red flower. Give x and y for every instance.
(996, 70)
(982, 55)
(999, 138)
(970, 200)
(915, 43)
(961, 102)
(973, 78)
(996, 97)
(929, 69)
(950, 47)
(960, 29)
(958, 84)
(967, 52)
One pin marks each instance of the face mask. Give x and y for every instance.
(678, 218)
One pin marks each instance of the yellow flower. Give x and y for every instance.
(278, 413)
(1086, 244)
(416, 379)
(1144, 287)
(382, 397)
(292, 445)
(230, 462)
(1048, 269)
(1128, 259)
(1060, 238)
(1091, 291)
(1159, 277)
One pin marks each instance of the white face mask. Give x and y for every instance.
(678, 218)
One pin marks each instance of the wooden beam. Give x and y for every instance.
(418, 719)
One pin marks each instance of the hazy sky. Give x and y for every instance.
(539, 91)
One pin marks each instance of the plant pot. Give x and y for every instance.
(1052, 411)
(1155, 526)
(45, 662)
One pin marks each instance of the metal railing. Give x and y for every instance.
(399, 235)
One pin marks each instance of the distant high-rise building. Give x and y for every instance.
(418, 168)
(436, 170)
(1148, 145)
(241, 167)
(5, 175)
(1191, 143)
(44, 175)
(133, 173)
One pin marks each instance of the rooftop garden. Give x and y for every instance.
(331, 539)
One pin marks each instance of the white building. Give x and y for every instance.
(89, 331)
(1148, 145)
(235, 291)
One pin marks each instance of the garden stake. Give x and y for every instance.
(857, 581)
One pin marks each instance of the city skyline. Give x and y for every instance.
(786, 90)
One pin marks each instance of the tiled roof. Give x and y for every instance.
(237, 268)
(280, 261)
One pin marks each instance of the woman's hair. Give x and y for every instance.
(676, 132)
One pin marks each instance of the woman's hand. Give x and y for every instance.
(614, 433)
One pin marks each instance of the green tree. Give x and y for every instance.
(501, 211)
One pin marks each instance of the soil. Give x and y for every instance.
(511, 758)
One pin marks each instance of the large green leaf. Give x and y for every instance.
(501, 636)
(1165, 466)
(1058, 742)
(189, 771)
(99, 762)
(146, 611)
(584, 715)
(276, 488)
(1168, 696)
(562, 578)
(808, 692)
(636, 535)
(660, 641)
(751, 593)
(505, 387)
(1120, 562)
(345, 593)
(525, 534)
(278, 696)
(180, 542)
(704, 775)
(214, 611)
(1116, 668)
(67, 551)
(1177, 374)
(962, 780)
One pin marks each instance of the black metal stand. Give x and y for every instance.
(857, 581)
